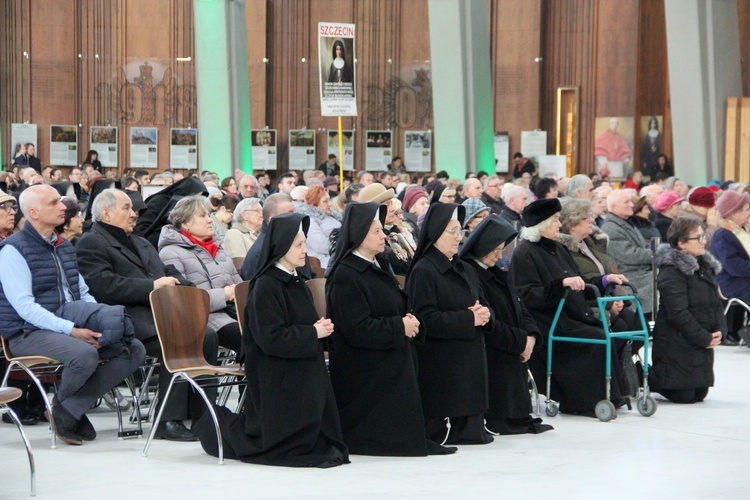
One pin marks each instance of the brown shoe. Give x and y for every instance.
(65, 425)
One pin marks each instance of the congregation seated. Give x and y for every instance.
(72, 228)
(222, 214)
(323, 221)
(248, 220)
(641, 219)
(667, 207)
(123, 269)
(187, 244)
(690, 321)
(58, 318)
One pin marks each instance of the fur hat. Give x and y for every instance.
(540, 210)
(731, 201)
(702, 197)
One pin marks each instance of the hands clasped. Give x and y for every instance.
(411, 325)
(481, 314)
(324, 327)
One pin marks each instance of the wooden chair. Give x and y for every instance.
(238, 261)
(241, 292)
(317, 267)
(318, 288)
(181, 316)
(8, 395)
(401, 280)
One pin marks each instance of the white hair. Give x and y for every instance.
(106, 199)
(248, 176)
(243, 206)
(534, 233)
(489, 179)
(577, 184)
(298, 193)
(512, 191)
(615, 197)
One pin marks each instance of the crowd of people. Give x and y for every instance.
(440, 294)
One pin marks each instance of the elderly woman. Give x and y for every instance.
(222, 215)
(667, 207)
(323, 221)
(188, 244)
(72, 228)
(514, 334)
(702, 204)
(690, 322)
(8, 209)
(248, 220)
(541, 269)
(476, 212)
(373, 368)
(290, 416)
(416, 202)
(640, 219)
(446, 295)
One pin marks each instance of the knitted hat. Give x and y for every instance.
(731, 201)
(473, 207)
(412, 196)
(665, 201)
(375, 192)
(330, 181)
(702, 197)
(540, 210)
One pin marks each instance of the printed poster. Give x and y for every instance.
(63, 145)
(337, 70)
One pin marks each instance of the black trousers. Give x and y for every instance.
(685, 396)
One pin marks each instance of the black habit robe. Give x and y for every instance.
(374, 366)
(290, 415)
(452, 361)
(578, 383)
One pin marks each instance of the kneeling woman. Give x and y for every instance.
(541, 269)
(373, 368)
(445, 293)
(290, 415)
(691, 321)
(514, 335)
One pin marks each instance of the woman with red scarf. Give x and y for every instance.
(187, 243)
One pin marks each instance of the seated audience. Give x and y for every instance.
(491, 196)
(229, 186)
(641, 219)
(579, 186)
(72, 228)
(323, 221)
(187, 243)
(702, 204)
(248, 219)
(515, 199)
(667, 207)
(416, 202)
(222, 215)
(545, 188)
(476, 212)
(43, 315)
(248, 187)
(690, 322)
(8, 208)
(290, 417)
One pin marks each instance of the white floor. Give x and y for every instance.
(694, 451)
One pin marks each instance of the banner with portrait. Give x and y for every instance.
(302, 149)
(378, 153)
(337, 69)
(20, 135)
(264, 149)
(348, 140)
(613, 147)
(63, 145)
(104, 141)
(144, 147)
(183, 148)
(418, 150)
(651, 141)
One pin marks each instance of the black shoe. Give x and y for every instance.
(65, 426)
(175, 430)
(85, 429)
(24, 418)
(730, 339)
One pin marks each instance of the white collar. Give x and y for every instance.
(358, 254)
(280, 266)
(481, 264)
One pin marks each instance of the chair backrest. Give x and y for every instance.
(241, 291)
(314, 261)
(181, 316)
(238, 261)
(6, 350)
(318, 288)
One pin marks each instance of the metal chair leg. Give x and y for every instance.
(29, 453)
(535, 393)
(155, 424)
(40, 387)
(210, 406)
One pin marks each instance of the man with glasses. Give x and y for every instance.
(628, 249)
(491, 196)
(8, 209)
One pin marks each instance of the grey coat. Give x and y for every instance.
(197, 265)
(629, 251)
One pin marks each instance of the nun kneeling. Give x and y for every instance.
(373, 368)
(445, 293)
(290, 415)
(514, 335)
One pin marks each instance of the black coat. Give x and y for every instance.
(662, 223)
(290, 415)
(452, 361)
(689, 311)
(373, 368)
(647, 228)
(496, 206)
(508, 376)
(538, 270)
(118, 276)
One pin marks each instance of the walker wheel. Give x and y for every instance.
(552, 409)
(605, 410)
(646, 406)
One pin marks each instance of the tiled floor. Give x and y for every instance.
(697, 451)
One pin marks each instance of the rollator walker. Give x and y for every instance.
(605, 410)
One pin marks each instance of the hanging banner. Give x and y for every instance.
(302, 149)
(104, 142)
(337, 69)
(20, 135)
(502, 152)
(418, 151)
(63, 145)
(333, 147)
(144, 147)
(183, 148)
(264, 149)
(378, 153)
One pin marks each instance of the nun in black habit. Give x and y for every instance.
(514, 335)
(542, 269)
(445, 293)
(290, 416)
(373, 368)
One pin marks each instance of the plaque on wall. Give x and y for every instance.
(20, 135)
(63, 145)
(502, 152)
(264, 149)
(104, 142)
(144, 147)
(348, 141)
(302, 149)
(418, 150)
(378, 152)
(183, 148)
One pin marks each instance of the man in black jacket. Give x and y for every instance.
(123, 269)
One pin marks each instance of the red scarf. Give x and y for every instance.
(208, 245)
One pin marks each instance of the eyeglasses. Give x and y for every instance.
(454, 232)
(702, 238)
(9, 208)
(498, 252)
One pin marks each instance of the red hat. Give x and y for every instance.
(412, 196)
(702, 197)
